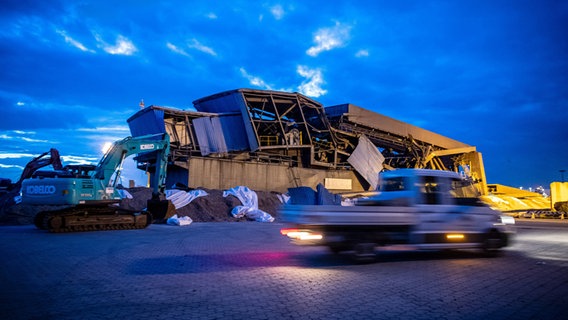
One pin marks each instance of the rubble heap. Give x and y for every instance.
(211, 208)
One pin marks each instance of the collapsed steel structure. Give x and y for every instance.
(289, 128)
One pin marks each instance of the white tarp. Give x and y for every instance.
(367, 160)
(179, 221)
(249, 199)
(180, 198)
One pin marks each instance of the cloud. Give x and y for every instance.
(10, 166)
(123, 46)
(211, 15)
(195, 44)
(362, 53)
(79, 160)
(277, 11)
(177, 49)
(329, 38)
(312, 85)
(73, 42)
(16, 155)
(26, 139)
(33, 140)
(114, 129)
(255, 81)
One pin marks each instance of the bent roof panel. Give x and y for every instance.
(370, 119)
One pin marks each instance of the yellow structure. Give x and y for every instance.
(513, 200)
(558, 192)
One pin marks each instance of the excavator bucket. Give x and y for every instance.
(160, 209)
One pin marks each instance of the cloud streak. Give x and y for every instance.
(195, 44)
(327, 39)
(74, 42)
(122, 46)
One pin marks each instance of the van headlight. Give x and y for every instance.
(507, 219)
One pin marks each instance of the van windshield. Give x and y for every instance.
(463, 188)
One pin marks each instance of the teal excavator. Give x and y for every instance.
(86, 197)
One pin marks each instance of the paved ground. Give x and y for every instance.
(248, 271)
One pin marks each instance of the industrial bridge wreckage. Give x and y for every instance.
(272, 141)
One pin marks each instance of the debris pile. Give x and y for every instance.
(211, 208)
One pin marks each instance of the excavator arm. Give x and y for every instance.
(37, 163)
(120, 150)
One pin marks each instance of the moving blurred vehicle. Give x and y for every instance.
(415, 208)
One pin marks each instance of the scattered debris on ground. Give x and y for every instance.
(211, 208)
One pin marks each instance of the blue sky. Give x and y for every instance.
(493, 74)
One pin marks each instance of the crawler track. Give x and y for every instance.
(91, 218)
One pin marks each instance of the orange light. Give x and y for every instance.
(455, 236)
(285, 232)
(300, 234)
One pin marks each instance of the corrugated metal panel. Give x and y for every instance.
(224, 102)
(234, 132)
(230, 101)
(217, 135)
(220, 134)
(367, 160)
(203, 131)
(147, 121)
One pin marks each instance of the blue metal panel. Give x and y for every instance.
(217, 135)
(226, 102)
(147, 121)
(234, 132)
(251, 132)
(203, 131)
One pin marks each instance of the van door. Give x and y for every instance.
(441, 220)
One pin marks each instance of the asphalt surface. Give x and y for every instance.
(247, 270)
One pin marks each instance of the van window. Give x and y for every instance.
(464, 193)
(394, 184)
(430, 190)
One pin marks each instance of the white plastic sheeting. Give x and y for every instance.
(179, 221)
(180, 198)
(249, 199)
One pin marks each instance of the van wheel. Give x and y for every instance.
(364, 252)
(493, 244)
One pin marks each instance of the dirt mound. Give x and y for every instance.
(215, 207)
(211, 208)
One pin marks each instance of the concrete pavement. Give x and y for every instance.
(248, 271)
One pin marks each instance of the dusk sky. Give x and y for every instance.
(492, 74)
